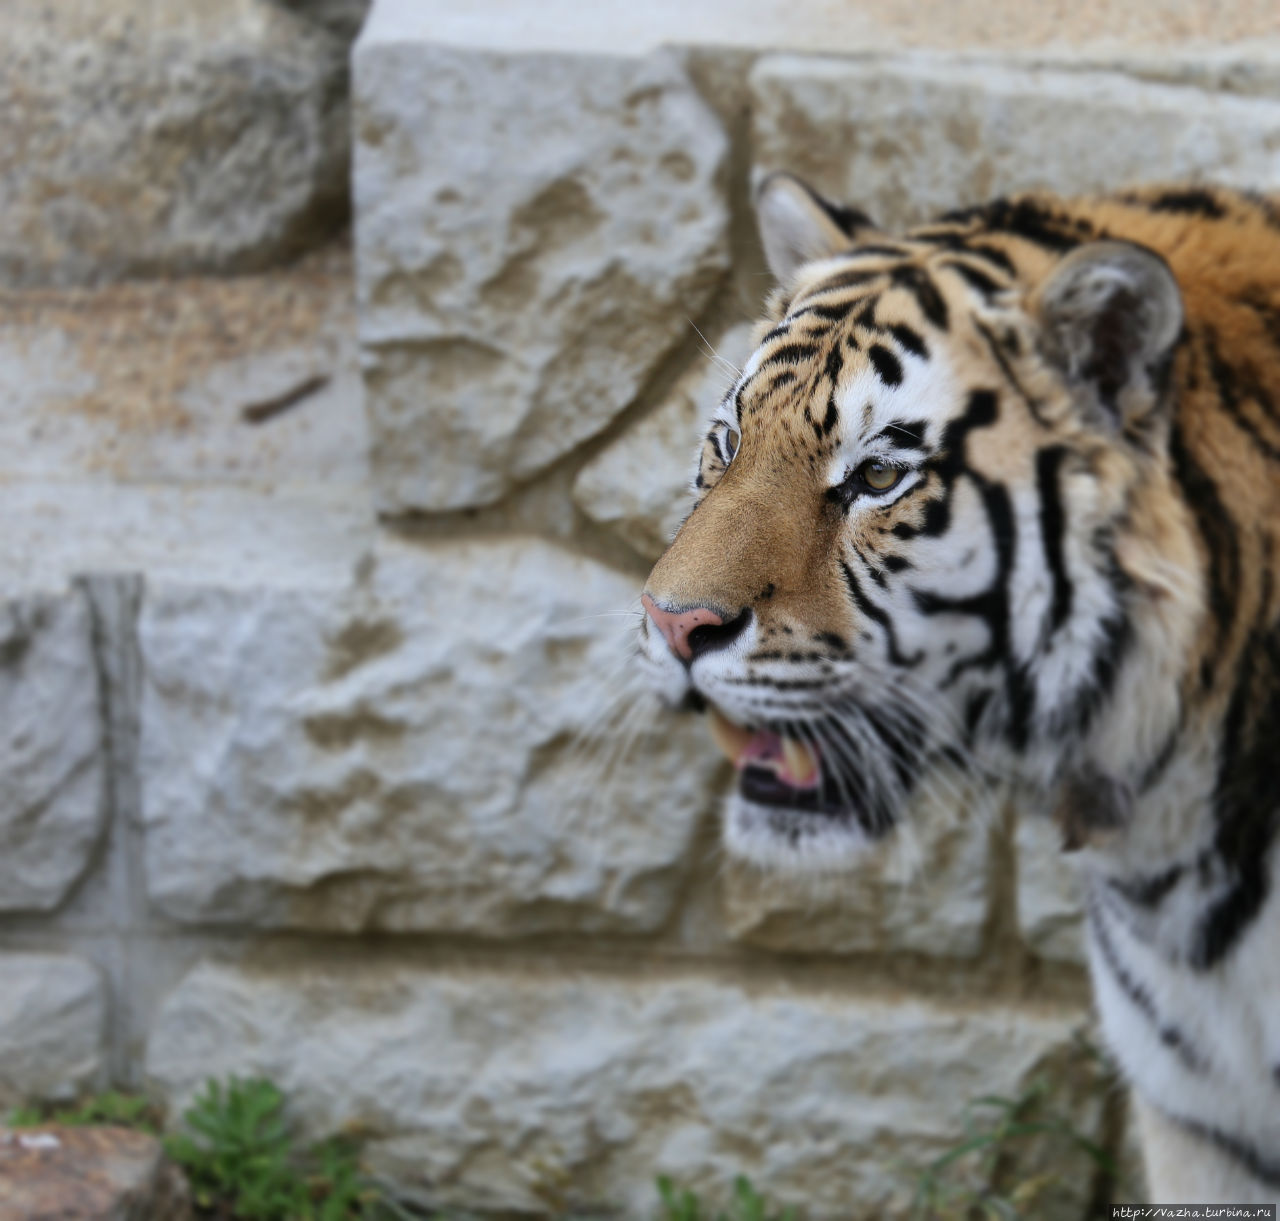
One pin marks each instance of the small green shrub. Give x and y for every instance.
(116, 1109)
(748, 1205)
(240, 1157)
(997, 1129)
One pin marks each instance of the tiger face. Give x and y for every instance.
(932, 525)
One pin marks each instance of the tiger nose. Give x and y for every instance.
(681, 629)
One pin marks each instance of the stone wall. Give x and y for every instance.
(315, 757)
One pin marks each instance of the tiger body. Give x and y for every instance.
(1002, 495)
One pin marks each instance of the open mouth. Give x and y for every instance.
(777, 770)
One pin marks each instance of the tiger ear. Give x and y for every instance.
(798, 226)
(1110, 316)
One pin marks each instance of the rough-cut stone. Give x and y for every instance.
(251, 380)
(88, 1174)
(52, 792)
(341, 17)
(142, 138)
(924, 889)
(1050, 915)
(517, 293)
(1173, 29)
(906, 139)
(489, 1089)
(640, 484)
(52, 1015)
(405, 753)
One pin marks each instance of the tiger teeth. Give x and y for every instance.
(801, 765)
(730, 738)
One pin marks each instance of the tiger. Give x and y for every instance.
(1002, 494)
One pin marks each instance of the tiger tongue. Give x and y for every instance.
(793, 762)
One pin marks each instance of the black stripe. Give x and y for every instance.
(1140, 996)
(905, 434)
(1113, 640)
(1148, 890)
(847, 220)
(996, 258)
(920, 284)
(888, 367)
(1192, 200)
(1217, 532)
(1053, 525)
(831, 419)
(841, 279)
(1247, 800)
(828, 313)
(835, 363)
(997, 354)
(790, 353)
(975, 278)
(883, 249)
(1233, 385)
(1026, 219)
(909, 338)
(1262, 1169)
(872, 611)
(1268, 311)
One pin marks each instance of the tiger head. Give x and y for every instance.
(933, 524)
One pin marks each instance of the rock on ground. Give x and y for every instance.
(56, 1173)
(52, 1016)
(516, 297)
(151, 138)
(413, 751)
(522, 1090)
(855, 128)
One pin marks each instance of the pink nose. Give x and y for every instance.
(676, 626)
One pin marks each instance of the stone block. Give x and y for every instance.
(1050, 911)
(550, 1093)
(924, 890)
(52, 1025)
(148, 138)
(1171, 29)
(414, 751)
(908, 138)
(252, 380)
(534, 233)
(52, 783)
(641, 484)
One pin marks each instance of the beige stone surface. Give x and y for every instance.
(924, 890)
(908, 138)
(1050, 911)
(52, 1027)
(52, 754)
(515, 298)
(192, 381)
(641, 484)
(537, 1090)
(144, 138)
(55, 1173)
(415, 750)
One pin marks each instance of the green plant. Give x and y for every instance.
(112, 1107)
(997, 1129)
(239, 1155)
(747, 1205)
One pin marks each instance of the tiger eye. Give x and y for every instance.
(879, 477)
(731, 438)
